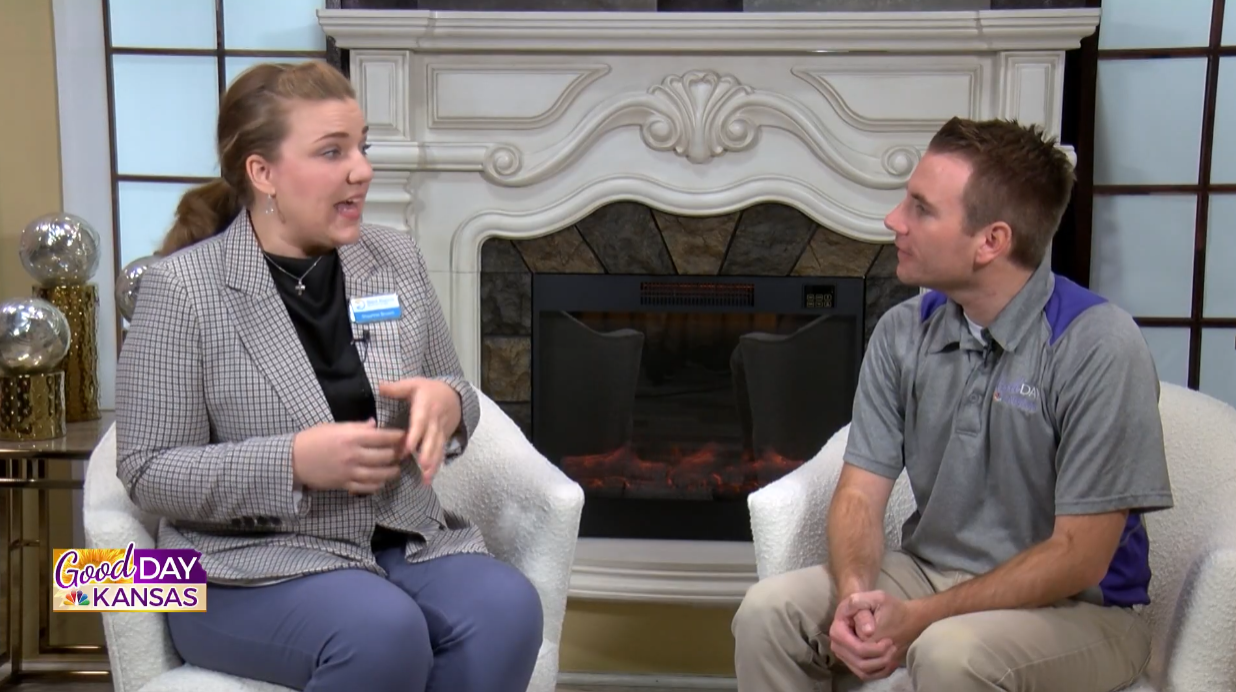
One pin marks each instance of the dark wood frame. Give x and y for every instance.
(1071, 246)
(220, 53)
(1196, 321)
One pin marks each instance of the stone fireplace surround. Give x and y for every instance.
(765, 239)
(501, 140)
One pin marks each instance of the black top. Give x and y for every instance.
(320, 316)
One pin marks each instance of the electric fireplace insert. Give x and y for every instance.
(670, 399)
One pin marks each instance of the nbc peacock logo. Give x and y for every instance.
(75, 597)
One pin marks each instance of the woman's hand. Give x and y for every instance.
(434, 418)
(357, 457)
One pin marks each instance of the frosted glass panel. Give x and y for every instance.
(1220, 298)
(1218, 373)
(1155, 23)
(1223, 155)
(163, 24)
(272, 25)
(1142, 253)
(146, 213)
(1148, 121)
(1229, 28)
(234, 66)
(166, 108)
(1170, 347)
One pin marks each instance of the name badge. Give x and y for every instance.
(374, 309)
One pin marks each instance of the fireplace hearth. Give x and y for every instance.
(670, 399)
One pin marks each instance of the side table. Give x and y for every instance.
(23, 477)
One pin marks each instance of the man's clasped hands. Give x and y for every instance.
(362, 457)
(872, 630)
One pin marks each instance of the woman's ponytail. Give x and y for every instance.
(203, 212)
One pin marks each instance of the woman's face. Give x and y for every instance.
(321, 177)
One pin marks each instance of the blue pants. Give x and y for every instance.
(462, 623)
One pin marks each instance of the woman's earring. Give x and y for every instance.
(270, 205)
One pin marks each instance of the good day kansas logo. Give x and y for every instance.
(134, 580)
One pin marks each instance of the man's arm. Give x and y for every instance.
(856, 529)
(1075, 558)
(874, 456)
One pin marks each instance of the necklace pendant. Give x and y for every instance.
(300, 288)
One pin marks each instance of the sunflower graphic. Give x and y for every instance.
(99, 556)
(87, 563)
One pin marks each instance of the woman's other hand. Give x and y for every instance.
(434, 418)
(357, 457)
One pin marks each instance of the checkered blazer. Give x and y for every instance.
(213, 383)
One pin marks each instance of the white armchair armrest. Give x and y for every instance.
(527, 509)
(1200, 646)
(788, 516)
(139, 646)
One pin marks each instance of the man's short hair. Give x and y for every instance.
(1018, 176)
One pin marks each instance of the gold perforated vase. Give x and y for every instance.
(81, 366)
(32, 407)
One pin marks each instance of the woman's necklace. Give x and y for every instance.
(300, 280)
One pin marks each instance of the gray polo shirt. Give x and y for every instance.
(1056, 413)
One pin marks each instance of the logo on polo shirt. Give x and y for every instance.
(1018, 393)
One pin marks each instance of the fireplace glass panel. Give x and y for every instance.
(670, 399)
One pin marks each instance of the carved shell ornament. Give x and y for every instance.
(704, 118)
(699, 115)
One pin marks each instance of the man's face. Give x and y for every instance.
(934, 248)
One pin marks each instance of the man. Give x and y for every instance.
(1024, 410)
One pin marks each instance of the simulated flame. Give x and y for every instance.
(696, 474)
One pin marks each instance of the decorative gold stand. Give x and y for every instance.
(32, 407)
(39, 479)
(81, 366)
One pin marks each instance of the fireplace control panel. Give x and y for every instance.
(819, 296)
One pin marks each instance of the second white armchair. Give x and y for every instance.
(1192, 555)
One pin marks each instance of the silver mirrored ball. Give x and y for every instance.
(128, 283)
(59, 250)
(34, 336)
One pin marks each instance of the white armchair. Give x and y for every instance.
(1192, 557)
(526, 507)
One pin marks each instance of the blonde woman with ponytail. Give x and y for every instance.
(286, 392)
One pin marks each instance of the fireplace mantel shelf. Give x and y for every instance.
(690, 572)
(517, 125)
(729, 33)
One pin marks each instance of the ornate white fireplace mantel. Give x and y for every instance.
(518, 124)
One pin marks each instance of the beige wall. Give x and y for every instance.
(30, 164)
(598, 637)
(30, 187)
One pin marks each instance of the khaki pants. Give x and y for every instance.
(781, 637)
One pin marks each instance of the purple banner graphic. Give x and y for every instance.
(164, 566)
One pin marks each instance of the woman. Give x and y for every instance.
(286, 392)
